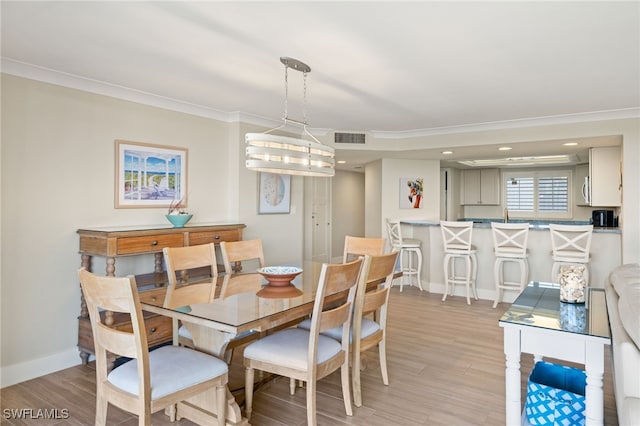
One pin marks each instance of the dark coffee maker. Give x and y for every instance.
(603, 219)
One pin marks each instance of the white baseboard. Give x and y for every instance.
(16, 373)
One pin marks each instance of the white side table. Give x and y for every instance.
(534, 325)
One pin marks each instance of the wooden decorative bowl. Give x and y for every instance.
(279, 282)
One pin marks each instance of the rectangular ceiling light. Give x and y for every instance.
(522, 161)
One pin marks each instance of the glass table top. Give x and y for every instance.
(539, 306)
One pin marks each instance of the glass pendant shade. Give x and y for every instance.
(285, 155)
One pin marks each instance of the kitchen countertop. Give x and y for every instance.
(534, 225)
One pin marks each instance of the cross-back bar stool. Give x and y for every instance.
(456, 237)
(510, 245)
(408, 247)
(571, 245)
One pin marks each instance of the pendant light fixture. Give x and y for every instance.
(266, 152)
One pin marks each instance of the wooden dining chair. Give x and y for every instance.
(360, 246)
(193, 274)
(151, 380)
(369, 317)
(307, 355)
(235, 253)
(241, 256)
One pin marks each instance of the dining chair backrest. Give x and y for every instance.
(360, 246)
(183, 265)
(236, 252)
(380, 269)
(456, 236)
(335, 278)
(142, 385)
(571, 242)
(377, 271)
(510, 239)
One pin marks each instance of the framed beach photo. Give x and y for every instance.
(150, 175)
(274, 193)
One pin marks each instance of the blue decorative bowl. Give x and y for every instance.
(178, 220)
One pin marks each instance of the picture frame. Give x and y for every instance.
(274, 193)
(149, 175)
(411, 192)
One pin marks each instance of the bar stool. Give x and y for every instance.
(510, 245)
(571, 245)
(456, 237)
(408, 246)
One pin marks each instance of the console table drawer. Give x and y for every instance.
(159, 329)
(148, 243)
(206, 237)
(155, 296)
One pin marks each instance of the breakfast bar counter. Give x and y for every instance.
(606, 254)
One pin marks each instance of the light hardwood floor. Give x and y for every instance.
(446, 367)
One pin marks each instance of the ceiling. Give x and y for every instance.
(381, 68)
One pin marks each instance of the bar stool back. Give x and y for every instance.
(510, 245)
(571, 245)
(408, 246)
(456, 237)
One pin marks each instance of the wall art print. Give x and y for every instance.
(150, 175)
(274, 195)
(411, 191)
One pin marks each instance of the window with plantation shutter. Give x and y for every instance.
(539, 194)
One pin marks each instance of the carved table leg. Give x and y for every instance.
(111, 272)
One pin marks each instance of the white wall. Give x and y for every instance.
(58, 175)
(348, 209)
(392, 172)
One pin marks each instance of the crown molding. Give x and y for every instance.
(47, 75)
(617, 114)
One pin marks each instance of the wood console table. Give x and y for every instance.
(115, 242)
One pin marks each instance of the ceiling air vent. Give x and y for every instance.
(349, 138)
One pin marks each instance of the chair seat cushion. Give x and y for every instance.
(290, 347)
(368, 328)
(172, 368)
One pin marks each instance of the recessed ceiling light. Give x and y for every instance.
(570, 144)
(447, 152)
(504, 148)
(342, 162)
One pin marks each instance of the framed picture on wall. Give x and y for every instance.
(274, 193)
(411, 191)
(150, 175)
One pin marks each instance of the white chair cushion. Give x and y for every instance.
(368, 328)
(172, 368)
(290, 347)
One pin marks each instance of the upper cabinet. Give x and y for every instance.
(605, 176)
(481, 187)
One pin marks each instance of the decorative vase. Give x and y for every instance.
(572, 283)
(179, 220)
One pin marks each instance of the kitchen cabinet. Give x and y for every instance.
(605, 176)
(481, 187)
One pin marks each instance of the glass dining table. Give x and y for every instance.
(238, 309)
